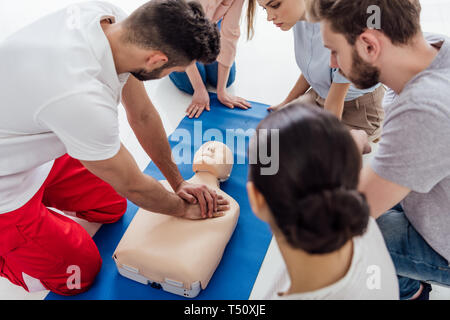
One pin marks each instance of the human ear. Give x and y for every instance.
(368, 46)
(156, 59)
(257, 202)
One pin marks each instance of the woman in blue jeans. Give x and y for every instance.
(222, 73)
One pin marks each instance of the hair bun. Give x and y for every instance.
(197, 9)
(327, 219)
(206, 34)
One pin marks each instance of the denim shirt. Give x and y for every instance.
(313, 59)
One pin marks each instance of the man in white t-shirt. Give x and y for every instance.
(62, 79)
(407, 184)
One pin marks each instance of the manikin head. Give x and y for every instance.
(168, 35)
(284, 13)
(214, 157)
(361, 34)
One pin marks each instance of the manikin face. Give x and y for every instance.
(214, 157)
(346, 57)
(284, 13)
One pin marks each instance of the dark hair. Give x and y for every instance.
(313, 196)
(399, 20)
(177, 28)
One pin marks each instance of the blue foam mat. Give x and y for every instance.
(243, 256)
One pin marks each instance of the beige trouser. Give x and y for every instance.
(364, 113)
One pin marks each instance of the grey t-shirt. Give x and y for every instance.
(414, 149)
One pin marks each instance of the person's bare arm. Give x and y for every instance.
(231, 101)
(336, 98)
(299, 89)
(200, 98)
(194, 77)
(147, 125)
(123, 174)
(381, 194)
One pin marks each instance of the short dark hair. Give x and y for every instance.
(313, 196)
(177, 28)
(399, 20)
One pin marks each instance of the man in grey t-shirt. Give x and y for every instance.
(408, 182)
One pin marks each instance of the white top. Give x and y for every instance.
(60, 93)
(371, 275)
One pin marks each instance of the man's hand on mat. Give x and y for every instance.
(206, 198)
(361, 140)
(232, 101)
(200, 102)
(194, 212)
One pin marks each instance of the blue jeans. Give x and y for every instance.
(208, 73)
(415, 261)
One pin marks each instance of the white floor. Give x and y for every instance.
(266, 70)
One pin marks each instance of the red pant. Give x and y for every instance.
(48, 246)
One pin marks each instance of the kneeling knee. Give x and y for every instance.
(77, 278)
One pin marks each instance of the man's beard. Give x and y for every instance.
(143, 75)
(362, 74)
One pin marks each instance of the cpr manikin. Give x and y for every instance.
(178, 254)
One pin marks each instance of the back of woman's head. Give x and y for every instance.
(313, 195)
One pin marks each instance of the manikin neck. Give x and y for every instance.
(205, 177)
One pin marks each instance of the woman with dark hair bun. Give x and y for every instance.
(332, 248)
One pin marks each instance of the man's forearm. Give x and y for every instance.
(146, 123)
(150, 195)
(123, 174)
(152, 137)
(381, 194)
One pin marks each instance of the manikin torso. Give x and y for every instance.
(163, 247)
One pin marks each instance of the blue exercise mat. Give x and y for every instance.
(243, 256)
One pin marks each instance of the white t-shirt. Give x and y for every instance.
(59, 94)
(371, 275)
